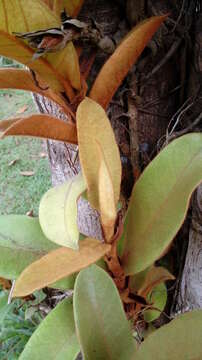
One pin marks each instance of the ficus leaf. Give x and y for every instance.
(94, 127)
(58, 264)
(55, 338)
(21, 243)
(159, 202)
(26, 15)
(29, 15)
(22, 79)
(44, 126)
(180, 339)
(16, 49)
(72, 7)
(120, 62)
(106, 197)
(58, 212)
(102, 328)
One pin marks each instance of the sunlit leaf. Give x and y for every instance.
(26, 15)
(120, 62)
(160, 200)
(22, 80)
(58, 212)
(67, 64)
(16, 49)
(180, 339)
(106, 197)
(102, 327)
(72, 7)
(29, 15)
(21, 243)
(58, 264)
(157, 298)
(94, 127)
(55, 338)
(49, 3)
(44, 126)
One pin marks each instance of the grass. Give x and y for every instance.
(20, 194)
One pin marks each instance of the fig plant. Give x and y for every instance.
(115, 281)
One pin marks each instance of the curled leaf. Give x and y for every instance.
(58, 212)
(117, 66)
(94, 127)
(106, 197)
(59, 264)
(44, 126)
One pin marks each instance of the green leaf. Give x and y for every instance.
(159, 202)
(102, 327)
(58, 212)
(180, 339)
(55, 338)
(21, 243)
(158, 299)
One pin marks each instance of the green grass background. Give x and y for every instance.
(20, 194)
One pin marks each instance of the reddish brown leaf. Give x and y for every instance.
(23, 80)
(43, 126)
(117, 66)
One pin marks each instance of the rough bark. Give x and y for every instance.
(189, 291)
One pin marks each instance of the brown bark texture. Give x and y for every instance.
(152, 106)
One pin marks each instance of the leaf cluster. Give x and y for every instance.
(116, 282)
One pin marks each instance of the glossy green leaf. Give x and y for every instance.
(21, 242)
(102, 327)
(58, 212)
(55, 338)
(157, 298)
(180, 339)
(160, 200)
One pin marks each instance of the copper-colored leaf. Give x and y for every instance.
(58, 264)
(106, 197)
(94, 127)
(71, 6)
(22, 79)
(44, 126)
(117, 66)
(16, 49)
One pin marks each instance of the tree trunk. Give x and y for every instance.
(148, 110)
